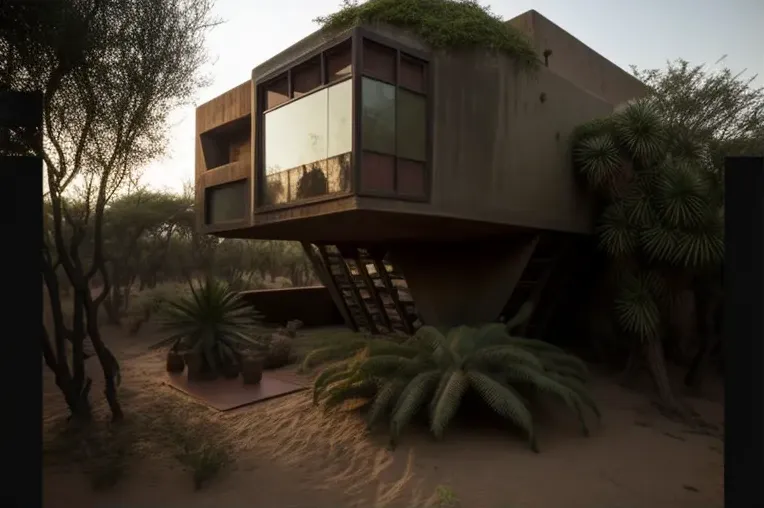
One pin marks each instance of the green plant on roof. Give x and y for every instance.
(443, 24)
(436, 369)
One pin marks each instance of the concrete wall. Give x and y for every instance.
(577, 62)
(501, 147)
(462, 283)
(311, 305)
(230, 108)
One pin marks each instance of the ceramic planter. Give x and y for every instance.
(175, 362)
(252, 369)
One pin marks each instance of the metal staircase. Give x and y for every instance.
(536, 284)
(372, 296)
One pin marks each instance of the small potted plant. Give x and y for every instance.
(175, 362)
(213, 323)
(231, 368)
(252, 368)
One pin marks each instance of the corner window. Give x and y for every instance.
(308, 133)
(394, 122)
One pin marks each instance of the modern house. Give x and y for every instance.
(426, 186)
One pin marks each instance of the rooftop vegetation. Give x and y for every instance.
(443, 24)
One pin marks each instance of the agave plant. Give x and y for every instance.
(436, 369)
(212, 321)
(662, 218)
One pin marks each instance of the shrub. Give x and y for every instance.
(278, 350)
(213, 322)
(444, 24)
(437, 369)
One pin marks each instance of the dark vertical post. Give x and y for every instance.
(744, 332)
(356, 58)
(21, 219)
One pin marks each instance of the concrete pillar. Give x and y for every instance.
(464, 283)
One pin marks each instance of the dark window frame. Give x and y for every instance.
(207, 212)
(355, 39)
(401, 50)
(261, 84)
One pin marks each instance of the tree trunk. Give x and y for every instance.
(706, 312)
(109, 363)
(75, 392)
(656, 362)
(112, 315)
(634, 365)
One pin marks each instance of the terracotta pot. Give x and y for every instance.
(252, 369)
(175, 362)
(198, 370)
(231, 370)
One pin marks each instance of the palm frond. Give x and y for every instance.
(384, 400)
(448, 401)
(411, 400)
(599, 161)
(342, 392)
(549, 385)
(617, 235)
(497, 356)
(392, 366)
(636, 309)
(505, 402)
(554, 361)
(578, 387)
(640, 129)
(331, 353)
(329, 375)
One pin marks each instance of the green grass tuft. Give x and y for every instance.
(443, 24)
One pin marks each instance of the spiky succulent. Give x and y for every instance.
(663, 210)
(212, 321)
(434, 369)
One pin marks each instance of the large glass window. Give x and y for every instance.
(378, 116)
(394, 122)
(308, 144)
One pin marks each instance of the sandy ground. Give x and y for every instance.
(289, 455)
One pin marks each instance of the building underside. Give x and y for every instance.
(449, 283)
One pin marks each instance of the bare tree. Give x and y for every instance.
(111, 71)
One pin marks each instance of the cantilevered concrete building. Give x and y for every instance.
(426, 186)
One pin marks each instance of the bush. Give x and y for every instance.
(278, 350)
(395, 381)
(214, 323)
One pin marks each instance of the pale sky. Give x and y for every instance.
(645, 33)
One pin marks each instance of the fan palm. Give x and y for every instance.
(662, 215)
(211, 321)
(437, 369)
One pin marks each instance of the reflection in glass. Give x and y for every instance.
(378, 110)
(308, 144)
(412, 126)
(340, 118)
(295, 134)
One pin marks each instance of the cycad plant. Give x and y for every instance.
(436, 369)
(213, 322)
(661, 221)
